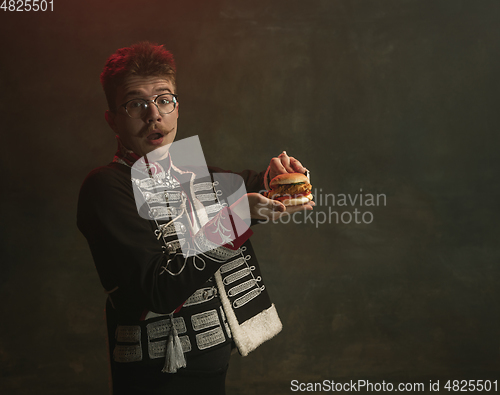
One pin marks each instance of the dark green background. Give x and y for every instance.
(395, 97)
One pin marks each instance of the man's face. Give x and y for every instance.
(153, 130)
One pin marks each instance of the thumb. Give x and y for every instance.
(278, 206)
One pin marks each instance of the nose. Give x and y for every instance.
(152, 113)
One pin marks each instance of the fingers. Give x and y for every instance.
(272, 205)
(268, 209)
(285, 161)
(303, 207)
(297, 166)
(278, 206)
(277, 167)
(264, 208)
(285, 164)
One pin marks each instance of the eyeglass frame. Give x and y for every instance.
(175, 96)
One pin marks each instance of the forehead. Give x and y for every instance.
(138, 86)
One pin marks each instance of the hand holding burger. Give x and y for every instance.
(283, 164)
(291, 189)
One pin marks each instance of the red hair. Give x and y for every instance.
(144, 59)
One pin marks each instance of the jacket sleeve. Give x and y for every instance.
(254, 181)
(128, 256)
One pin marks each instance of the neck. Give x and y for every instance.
(129, 157)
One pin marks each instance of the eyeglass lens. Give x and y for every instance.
(137, 108)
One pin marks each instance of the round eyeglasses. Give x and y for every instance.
(137, 108)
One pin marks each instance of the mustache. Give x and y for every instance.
(152, 128)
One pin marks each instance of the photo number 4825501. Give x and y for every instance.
(27, 5)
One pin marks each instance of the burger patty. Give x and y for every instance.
(289, 189)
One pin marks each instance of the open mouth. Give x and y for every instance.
(155, 136)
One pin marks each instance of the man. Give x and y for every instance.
(173, 318)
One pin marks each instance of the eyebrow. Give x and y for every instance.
(135, 93)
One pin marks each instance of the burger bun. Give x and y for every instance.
(288, 178)
(298, 201)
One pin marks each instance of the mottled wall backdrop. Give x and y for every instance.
(394, 98)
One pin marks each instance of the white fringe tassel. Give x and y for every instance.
(174, 358)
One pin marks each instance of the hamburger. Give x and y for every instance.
(291, 189)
